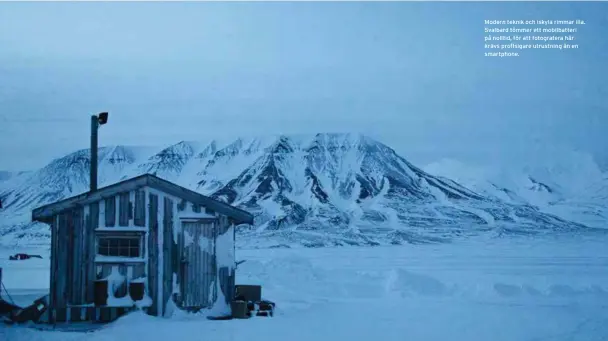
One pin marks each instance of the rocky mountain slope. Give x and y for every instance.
(324, 189)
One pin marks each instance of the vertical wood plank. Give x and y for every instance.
(110, 211)
(77, 258)
(168, 247)
(140, 208)
(153, 253)
(62, 261)
(53, 276)
(92, 250)
(123, 209)
(85, 253)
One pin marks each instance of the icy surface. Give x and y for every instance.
(511, 289)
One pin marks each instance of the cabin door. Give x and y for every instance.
(198, 270)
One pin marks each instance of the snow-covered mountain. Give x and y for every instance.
(574, 189)
(324, 189)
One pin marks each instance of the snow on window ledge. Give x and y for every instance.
(121, 229)
(116, 259)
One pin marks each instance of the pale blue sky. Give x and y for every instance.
(410, 74)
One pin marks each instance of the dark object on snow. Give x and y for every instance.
(264, 313)
(239, 309)
(22, 256)
(219, 318)
(101, 292)
(32, 312)
(240, 262)
(8, 309)
(264, 308)
(260, 308)
(266, 305)
(136, 291)
(249, 293)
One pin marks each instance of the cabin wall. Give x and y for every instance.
(75, 263)
(156, 217)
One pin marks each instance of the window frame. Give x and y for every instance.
(120, 237)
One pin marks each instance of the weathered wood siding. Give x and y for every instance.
(139, 218)
(153, 253)
(198, 273)
(68, 264)
(123, 211)
(91, 249)
(74, 268)
(54, 266)
(169, 248)
(110, 211)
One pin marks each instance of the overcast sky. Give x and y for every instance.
(411, 74)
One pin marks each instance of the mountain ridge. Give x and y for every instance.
(312, 190)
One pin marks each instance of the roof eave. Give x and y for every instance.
(45, 213)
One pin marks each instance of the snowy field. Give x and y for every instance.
(488, 290)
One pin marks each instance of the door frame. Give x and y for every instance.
(181, 256)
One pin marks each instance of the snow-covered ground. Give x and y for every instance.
(493, 289)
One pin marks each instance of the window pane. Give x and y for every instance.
(119, 247)
(113, 251)
(104, 243)
(123, 252)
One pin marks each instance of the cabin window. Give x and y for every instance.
(119, 246)
(140, 209)
(124, 209)
(110, 211)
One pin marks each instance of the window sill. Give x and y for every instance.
(117, 259)
(121, 229)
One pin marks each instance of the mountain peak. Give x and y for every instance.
(301, 186)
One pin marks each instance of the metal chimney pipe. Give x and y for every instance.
(94, 127)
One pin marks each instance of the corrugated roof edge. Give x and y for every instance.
(44, 213)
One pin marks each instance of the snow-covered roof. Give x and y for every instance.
(45, 213)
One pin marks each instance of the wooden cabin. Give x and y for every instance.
(144, 242)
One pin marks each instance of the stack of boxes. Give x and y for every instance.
(248, 302)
